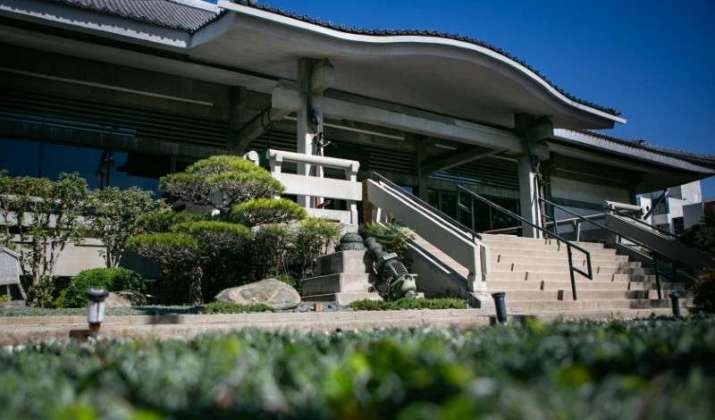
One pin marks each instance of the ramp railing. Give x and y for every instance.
(448, 235)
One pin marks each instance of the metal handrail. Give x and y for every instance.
(569, 244)
(376, 175)
(639, 243)
(644, 223)
(552, 222)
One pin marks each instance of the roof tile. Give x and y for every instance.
(164, 13)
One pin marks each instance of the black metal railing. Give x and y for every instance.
(569, 244)
(655, 255)
(644, 223)
(375, 176)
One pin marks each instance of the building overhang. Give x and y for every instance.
(657, 170)
(436, 73)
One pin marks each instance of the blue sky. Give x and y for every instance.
(652, 60)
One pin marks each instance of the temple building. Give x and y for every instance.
(125, 92)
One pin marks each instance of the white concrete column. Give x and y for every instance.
(528, 197)
(305, 131)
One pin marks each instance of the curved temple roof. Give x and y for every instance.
(423, 33)
(448, 74)
(443, 73)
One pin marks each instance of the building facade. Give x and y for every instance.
(666, 209)
(124, 92)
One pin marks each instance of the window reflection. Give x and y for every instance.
(99, 167)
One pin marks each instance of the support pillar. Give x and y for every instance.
(314, 77)
(422, 173)
(305, 130)
(528, 197)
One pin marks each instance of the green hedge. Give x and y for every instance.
(408, 303)
(652, 369)
(111, 279)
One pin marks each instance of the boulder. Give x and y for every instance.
(117, 300)
(271, 292)
(124, 299)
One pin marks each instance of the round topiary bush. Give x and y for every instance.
(231, 178)
(161, 221)
(111, 279)
(262, 211)
(178, 255)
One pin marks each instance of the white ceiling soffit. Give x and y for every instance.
(438, 74)
(610, 147)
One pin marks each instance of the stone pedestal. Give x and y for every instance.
(342, 277)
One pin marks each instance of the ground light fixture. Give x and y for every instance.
(500, 306)
(95, 309)
(675, 303)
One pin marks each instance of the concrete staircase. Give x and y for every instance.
(342, 277)
(534, 274)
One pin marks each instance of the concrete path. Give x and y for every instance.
(22, 330)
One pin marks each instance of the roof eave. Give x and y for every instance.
(605, 145)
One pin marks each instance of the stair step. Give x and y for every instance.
(334, 283)
(562, 275)
(566, 295)
(531, 242)
(564, 285)
(556, 259)
(511, 252)
(625, 268)
(586, 305)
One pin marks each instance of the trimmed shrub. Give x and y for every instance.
(235, 178)
(393, 238)
(269, 250)
(704, 291)
(178, 255)
(223, 248)
(233, 308)
(214, 231)
(408, 303)
(115, 218)
(112, 279)
(45, 215)
(262, 211)
(641, 369)
(702, 235)
(161, 221)
(311, 240)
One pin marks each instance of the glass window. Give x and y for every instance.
(99, 167)
(448, 203)
(20, 158)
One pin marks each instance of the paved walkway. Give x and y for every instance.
(20, 330)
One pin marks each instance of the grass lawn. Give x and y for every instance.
(648, 369)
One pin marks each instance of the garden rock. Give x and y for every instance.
(271, 292)
(123, 299)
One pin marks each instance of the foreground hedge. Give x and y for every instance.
(623, 370)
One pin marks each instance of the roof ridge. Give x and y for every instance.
(645, 145)
(419, 32)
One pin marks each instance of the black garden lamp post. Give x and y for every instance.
(95, 309)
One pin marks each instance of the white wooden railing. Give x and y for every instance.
(348, 189)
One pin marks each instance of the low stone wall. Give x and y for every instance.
(20, 330)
